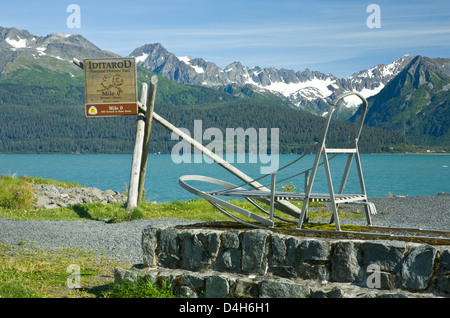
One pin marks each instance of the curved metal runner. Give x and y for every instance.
(275, 199)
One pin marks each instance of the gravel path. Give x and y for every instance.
(122, 241)
(118, 241)
(430, 212)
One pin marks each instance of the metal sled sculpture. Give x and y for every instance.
(278, 200)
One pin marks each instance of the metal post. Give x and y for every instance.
(272, 195)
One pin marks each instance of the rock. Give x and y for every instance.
(149, 244)
(387, 255)
(282, 288)
(216, 287)
(314, 250)
(194, 281)
(168, 241)
(292, 252)
(278, 250)
(50, 196)
(444, 279)
(318, 272)
(43, 201)
(198, 250)
(255, 249)
(121, 275)
(185, 292)
(334, 293)
(230, 239)
(243, 287)
(284, 271)
(393, 295)
(345, 262)
(445, 259)
(444, 283)
(229, 260)
(418, 267)
(169, 248)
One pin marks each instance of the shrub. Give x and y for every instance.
(15, 193)
(142, 288)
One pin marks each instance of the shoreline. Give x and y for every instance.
(158, 154)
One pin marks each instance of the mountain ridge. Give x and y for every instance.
(307, 90)
(56, 45)
(38, 71)
(416, 102)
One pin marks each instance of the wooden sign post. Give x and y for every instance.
(147, 108)
(111, 90)
(148, 127)
(133, 189)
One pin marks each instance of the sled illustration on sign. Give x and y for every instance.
(111, 82)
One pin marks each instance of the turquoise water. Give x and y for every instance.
(403, 174)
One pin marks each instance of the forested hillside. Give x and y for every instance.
(42, 111)
(416, 103)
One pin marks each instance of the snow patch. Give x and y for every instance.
(142, 58)
(17, 44)
(41, 50)
(287, 89)
(355, 101)
(198, 69)
(187, 60)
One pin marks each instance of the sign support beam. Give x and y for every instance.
(133, 190)
(148, 128)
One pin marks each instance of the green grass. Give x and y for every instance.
(142, 288)
(16, 198)
(27, 272)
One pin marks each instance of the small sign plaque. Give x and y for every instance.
(110, 87)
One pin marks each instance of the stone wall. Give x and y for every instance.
(261, 263)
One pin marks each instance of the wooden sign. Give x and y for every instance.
(110, 87)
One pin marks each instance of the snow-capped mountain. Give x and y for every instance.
(57, 45)
(304, 89)
(370, 82)
(308, 90)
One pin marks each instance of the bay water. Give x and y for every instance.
(384, 174)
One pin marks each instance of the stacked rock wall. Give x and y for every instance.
(261, 263)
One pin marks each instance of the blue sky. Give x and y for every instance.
(326, 36)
